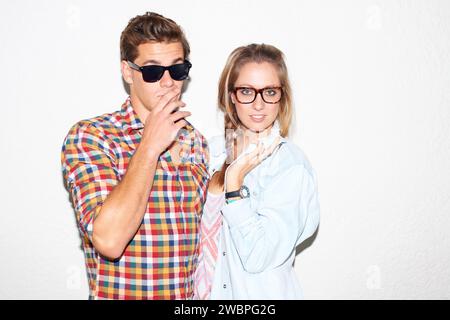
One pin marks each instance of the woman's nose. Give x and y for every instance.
(259, 103)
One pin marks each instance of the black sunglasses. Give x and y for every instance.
(154, 73)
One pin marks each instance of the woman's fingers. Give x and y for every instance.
(272, 147)
(254, 157)
(263, 153)
(249, 161)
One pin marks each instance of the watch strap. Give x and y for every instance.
(232, 194)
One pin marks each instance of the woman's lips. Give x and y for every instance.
(257, 118)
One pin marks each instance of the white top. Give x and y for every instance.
(210, 232)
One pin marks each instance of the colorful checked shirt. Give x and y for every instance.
(159, 261)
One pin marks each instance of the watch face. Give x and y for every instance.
(245, 193)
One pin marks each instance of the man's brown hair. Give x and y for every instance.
(150, 27)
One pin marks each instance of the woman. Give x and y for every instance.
(262, 197)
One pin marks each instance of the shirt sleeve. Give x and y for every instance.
(287, 214)
(199, 169)
(89, 173)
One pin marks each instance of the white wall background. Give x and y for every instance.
(371, 81)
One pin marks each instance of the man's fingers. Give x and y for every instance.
(180, 124)
(179, 115)
(166, 99)
(173, 107)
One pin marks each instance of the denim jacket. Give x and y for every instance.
(259, 234)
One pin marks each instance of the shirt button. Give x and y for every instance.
(255, 194)
(224, 286)
(224, 253)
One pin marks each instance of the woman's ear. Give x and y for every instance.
(232, 98)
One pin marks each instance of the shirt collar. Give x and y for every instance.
(130, 119)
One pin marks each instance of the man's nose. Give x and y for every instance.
(166, 81)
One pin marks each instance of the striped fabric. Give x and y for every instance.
(210, 232)
(160, 260)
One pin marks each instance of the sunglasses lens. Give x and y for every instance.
(177, 72)
(152, 73)
(180, 71)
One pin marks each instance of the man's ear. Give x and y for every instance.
(126, 72)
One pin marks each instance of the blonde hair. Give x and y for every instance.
(238, 58)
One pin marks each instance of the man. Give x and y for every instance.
(137, 177)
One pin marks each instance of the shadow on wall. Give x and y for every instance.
(307, 243)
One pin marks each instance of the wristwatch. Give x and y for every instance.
(243, 192)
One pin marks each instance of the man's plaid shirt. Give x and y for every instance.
(160, 260)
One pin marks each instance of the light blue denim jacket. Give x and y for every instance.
(260, 233)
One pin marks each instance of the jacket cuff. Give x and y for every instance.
(237, 212)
